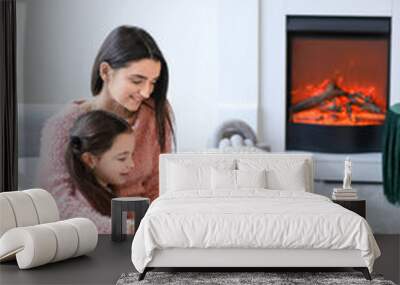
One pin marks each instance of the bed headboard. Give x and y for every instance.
(274, 158)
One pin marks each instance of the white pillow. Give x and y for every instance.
(186, 174)
(251, 178)
(223, 179)
(183, 177)
(282, 174)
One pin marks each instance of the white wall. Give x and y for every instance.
(238, 40)
(208, 45)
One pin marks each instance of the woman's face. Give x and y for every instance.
(114, 165)
(132, 84)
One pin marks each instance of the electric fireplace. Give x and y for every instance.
(337, 83)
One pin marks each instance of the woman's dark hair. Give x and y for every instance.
(122, 46)
(93, 132)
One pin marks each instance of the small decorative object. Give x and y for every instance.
(347, 192)
(391, 155)
(347, 174)
(236, 134)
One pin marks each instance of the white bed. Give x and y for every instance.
(201, 220)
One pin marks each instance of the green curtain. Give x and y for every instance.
(391, 155)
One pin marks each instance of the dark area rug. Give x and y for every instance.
(273, 278)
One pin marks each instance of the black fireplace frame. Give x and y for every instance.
(321, 138)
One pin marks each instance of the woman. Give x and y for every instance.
(129, 79)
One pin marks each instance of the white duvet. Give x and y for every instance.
(250, 219)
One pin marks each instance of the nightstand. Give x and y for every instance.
(357, 206)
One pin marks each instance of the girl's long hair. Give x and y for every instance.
(124, 45)
(93, 132)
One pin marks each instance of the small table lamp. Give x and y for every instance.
(119, 208)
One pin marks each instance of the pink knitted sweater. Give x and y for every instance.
(54, 177)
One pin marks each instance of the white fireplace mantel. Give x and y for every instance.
(272, 117)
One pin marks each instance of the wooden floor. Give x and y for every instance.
(110, 260)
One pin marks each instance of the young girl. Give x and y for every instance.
(99, 156)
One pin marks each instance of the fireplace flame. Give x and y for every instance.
(334, 103)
